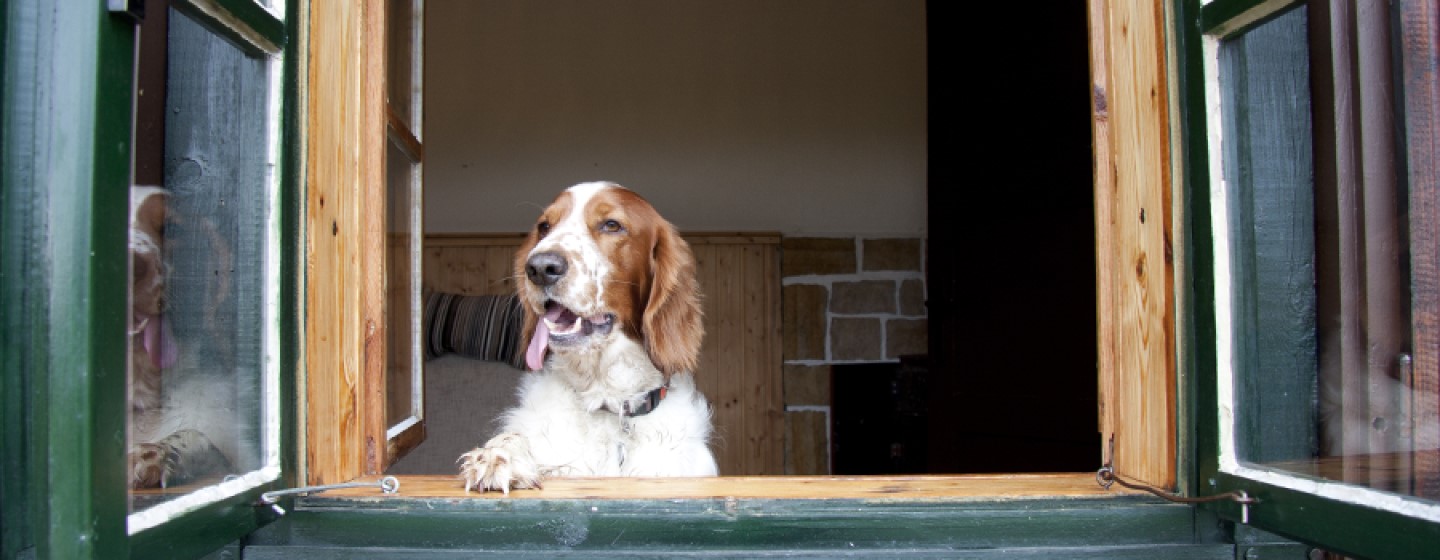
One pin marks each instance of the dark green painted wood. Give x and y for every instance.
(1199, 316)
(1190, 311)
(1220, 12)
(81, 139)
(1358, 531)
(202, 531)
(1168, 552)
(248, 13)
(17, 321)
(224, 522)
(63, 282)
(1269, 174)
(1010, 528)
(292, 250)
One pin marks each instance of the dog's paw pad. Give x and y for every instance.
(150, 465)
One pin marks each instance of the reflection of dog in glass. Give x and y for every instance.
(182, 425)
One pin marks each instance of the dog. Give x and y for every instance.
(183, 407)
(612, 330)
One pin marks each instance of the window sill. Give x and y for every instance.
(929, 487)
(1040, 515)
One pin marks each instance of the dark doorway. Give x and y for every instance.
(878, 418)
(1011, 264)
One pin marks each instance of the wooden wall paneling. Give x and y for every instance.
(730, 400)
(708, 372)
(766, 414)
(470, 264)
(499, 276)
(1136, 267)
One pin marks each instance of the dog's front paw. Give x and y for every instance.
(151, 465)
(503, 463)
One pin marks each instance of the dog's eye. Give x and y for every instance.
(542, 228)
(611, 226)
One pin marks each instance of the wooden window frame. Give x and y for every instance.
(345, 325)
(66, 270)
(1369, 524)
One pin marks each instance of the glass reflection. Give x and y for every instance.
(200, 246)
(1325, 380)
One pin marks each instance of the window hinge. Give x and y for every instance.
(388, 485)
(1106, 476)
(135, 9)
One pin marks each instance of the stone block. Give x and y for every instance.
(892, 254)
(912, 298)
(868, 296)
(807, 443)
(804, 321)
(807, 385)
(906, 337)
(855, 339)
(803, 256)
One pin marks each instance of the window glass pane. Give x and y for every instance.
(402, 53)
(204, 281)
(403, 389)
(1319, 266)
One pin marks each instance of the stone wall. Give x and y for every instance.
(846, 300)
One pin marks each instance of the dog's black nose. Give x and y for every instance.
(545, 269)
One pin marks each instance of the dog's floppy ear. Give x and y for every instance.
(673, 320)
(527, 327)
(148, 209)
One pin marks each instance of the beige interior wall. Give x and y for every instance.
(805, 117)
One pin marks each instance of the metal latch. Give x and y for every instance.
(388, 485)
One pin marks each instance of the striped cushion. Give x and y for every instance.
(480, 327)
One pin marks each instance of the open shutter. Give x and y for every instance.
(1134, 220)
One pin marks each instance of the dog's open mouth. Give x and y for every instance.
(563, 327)
(156, 337)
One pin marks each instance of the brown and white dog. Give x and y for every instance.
(182, 421)
(613, 324)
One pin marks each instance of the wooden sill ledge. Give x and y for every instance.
(930, 487)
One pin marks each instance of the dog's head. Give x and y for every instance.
(601, 262)
(148, 274)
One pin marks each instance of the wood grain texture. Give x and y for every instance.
(740, 361)
(345, 252)
(1419, 28)
(1135, 264)
(1104, 179)
(777, 487)
(372, 194)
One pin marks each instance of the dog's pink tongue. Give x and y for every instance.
(535, 354)
(160, 342)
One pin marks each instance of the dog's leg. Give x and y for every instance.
(504, 462)
(178, 459)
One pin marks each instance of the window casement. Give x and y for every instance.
(342, 161)
(104, 101)
(1311, 139)
(344, 380)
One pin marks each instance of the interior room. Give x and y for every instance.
(890, 202)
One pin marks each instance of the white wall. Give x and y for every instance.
(800, 116)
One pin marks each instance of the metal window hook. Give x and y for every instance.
(388, 485)
(1106, 476)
